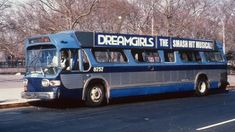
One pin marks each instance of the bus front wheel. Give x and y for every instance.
(95, 95)
(202, 87)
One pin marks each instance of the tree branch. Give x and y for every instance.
(84, 14)
(50, 6)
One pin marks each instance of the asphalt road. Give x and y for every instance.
(163, 114)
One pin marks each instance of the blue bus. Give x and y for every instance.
(96, 67)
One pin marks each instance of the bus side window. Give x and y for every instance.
(65, 60)
(117, 56)
(138, 55)
(109, 56)
(101, 56)
(169, 56)
(197, 57)
(156, 57)
(213, 57)
(184, 56)
(190, 56)
(149, 56)
(218, 57)
(152, 56)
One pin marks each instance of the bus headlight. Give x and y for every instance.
(54, 83)
(45, 83)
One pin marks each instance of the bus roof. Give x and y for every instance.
(77, 39)
(61, 40)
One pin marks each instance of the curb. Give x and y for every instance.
(18, 104)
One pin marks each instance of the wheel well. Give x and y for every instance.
(96, 81)
(202, 76)
(93, 82)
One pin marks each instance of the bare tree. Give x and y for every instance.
(4, 4)
(4, 25)
(111, 16)
(70, 10)
(192, 18)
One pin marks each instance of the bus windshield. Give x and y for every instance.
(42, 61)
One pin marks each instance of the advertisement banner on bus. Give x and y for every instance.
(143, 41)
(183, 43)
(124, 40)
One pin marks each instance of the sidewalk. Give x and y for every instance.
(231, 80)
(11, 87)
(11, 98)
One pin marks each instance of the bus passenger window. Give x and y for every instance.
(156, 57)
(184, 57)
(150, 56)
(169, 56)
(109, 56)
(213, 57)
(218, 57)
(138, 55)
(190, 56)
(197, 57)
(101, 56)
(117, 57)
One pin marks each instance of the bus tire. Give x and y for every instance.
(202, 87)
(95, 95)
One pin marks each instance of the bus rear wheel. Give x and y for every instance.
(95, 95)
(202, 87)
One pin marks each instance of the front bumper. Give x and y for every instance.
(39, 95)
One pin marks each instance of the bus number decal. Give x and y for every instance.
(98, 69)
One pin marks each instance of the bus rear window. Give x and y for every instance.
(213, 57)
(109, 56)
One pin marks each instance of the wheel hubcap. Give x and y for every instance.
(202, 87)
(96, 94)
